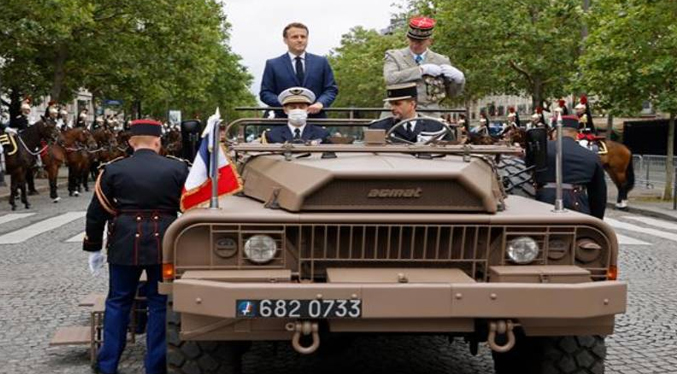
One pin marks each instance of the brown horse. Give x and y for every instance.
(617, 162)
(78, 144)
(20, 155)
(106, 150)
(171, 142)
(52, 159)
(478, 139)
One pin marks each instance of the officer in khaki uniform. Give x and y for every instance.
(137, 198)
(432, 72)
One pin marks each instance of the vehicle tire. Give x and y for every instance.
(191, 357)
(553, 355)
(516, 184)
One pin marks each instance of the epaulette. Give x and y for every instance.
(111, 161)
(180, 159)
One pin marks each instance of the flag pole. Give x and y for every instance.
(214, 201)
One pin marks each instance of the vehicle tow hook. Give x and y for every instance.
(304, 328)
(501, 327)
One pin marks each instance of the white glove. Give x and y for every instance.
(10, 130)
(431, 69)
(96, 261)
(453, 73)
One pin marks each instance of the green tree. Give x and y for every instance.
(358, 67)
(526, 47)
(630, 57)
(162, 53)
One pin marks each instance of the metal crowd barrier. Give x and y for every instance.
(650, 170)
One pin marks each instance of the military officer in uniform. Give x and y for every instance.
(138, 198)
(403, 104)
(584, 187)
(296, 101)
(420, 65)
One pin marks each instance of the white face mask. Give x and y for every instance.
(297, 117)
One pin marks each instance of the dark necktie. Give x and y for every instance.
(297, 134)
(299, 69)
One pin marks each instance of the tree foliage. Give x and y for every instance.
(358, 67)
(631, 57)
(526, 47)
(164, 53)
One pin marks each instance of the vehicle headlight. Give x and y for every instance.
(522, 250)
(260, 249)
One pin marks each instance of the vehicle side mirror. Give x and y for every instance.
(537, 149)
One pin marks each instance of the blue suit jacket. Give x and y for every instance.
(282, 134)
(279, 75)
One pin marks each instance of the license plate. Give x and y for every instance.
(292, 308)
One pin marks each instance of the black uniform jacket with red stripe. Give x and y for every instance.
(139, 198)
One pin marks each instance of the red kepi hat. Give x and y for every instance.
(146, 127)
(421, 28)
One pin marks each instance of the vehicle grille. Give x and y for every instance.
(308, 250)
(472, 248)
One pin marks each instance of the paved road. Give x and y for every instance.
(43, 274)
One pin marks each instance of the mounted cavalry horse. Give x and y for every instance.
(21, 151)
(73, 147)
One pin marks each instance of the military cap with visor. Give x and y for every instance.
(296, 95)
(421, 28)
(146, 127)
(570, 122)
(402, 91)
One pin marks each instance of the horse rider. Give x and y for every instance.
(20, 122)
(514, 123)
(52, 115)
(588, 132)
(82, 119)
(483, 128)
(98, 123)
(138, 196)
(584, 187)
(62, 122)
(432, 72)
(403, 104)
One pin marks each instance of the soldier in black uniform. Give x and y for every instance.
(584, 188)
(20, 122)
(402, 99)
(138, 197)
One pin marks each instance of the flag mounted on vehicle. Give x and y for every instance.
(198, 187)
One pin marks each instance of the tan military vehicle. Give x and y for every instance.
(377, 238)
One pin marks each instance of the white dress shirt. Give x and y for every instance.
(292, 128)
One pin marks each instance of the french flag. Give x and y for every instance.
(197, 190)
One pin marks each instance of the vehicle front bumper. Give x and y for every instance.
(416, 300)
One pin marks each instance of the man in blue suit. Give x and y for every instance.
(296, 101)
(297, 68)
